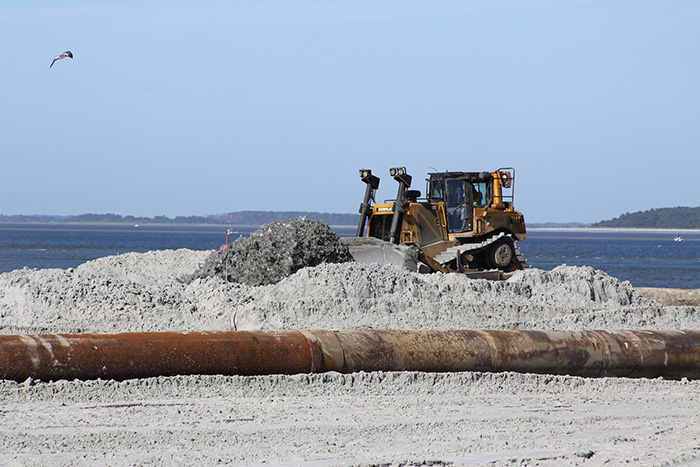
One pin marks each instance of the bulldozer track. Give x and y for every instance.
(450, 254)
(519, 256)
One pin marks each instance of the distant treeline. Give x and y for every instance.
(263, 217)
(556, 225)
(681, 217)
(661, 218)
(252, 218)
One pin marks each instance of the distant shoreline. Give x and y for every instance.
(612, 229)
(343, 226)
(142, 225)
(246, 219)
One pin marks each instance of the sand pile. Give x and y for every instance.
(275, 251)
(145, 292)
(387, 297)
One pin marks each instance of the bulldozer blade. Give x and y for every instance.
(493, 275)
(373, 250)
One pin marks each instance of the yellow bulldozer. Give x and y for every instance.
(466, 223)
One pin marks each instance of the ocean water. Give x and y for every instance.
(645, 258)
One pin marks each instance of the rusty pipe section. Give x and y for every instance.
(668, 354)
(142, 355)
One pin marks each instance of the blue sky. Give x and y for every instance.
(194, 108)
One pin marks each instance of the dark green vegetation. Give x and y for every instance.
(661, 218)
(681, 217)
(253, 218)
(556, 225)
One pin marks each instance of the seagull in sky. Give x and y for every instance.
(65, 54)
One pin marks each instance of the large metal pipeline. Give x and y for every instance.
(668, 354)
(141, 355)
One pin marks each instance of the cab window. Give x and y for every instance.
(456, 205)
(480, 194)
(435, 190)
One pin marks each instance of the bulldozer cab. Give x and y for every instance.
(461, 193)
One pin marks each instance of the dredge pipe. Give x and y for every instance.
(668, 354)
(142, 355)
(651, 354)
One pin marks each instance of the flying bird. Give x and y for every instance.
(65, 54)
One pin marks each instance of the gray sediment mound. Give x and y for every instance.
(274, 251)
(139, 292)
(355, 295)
(122, 293)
